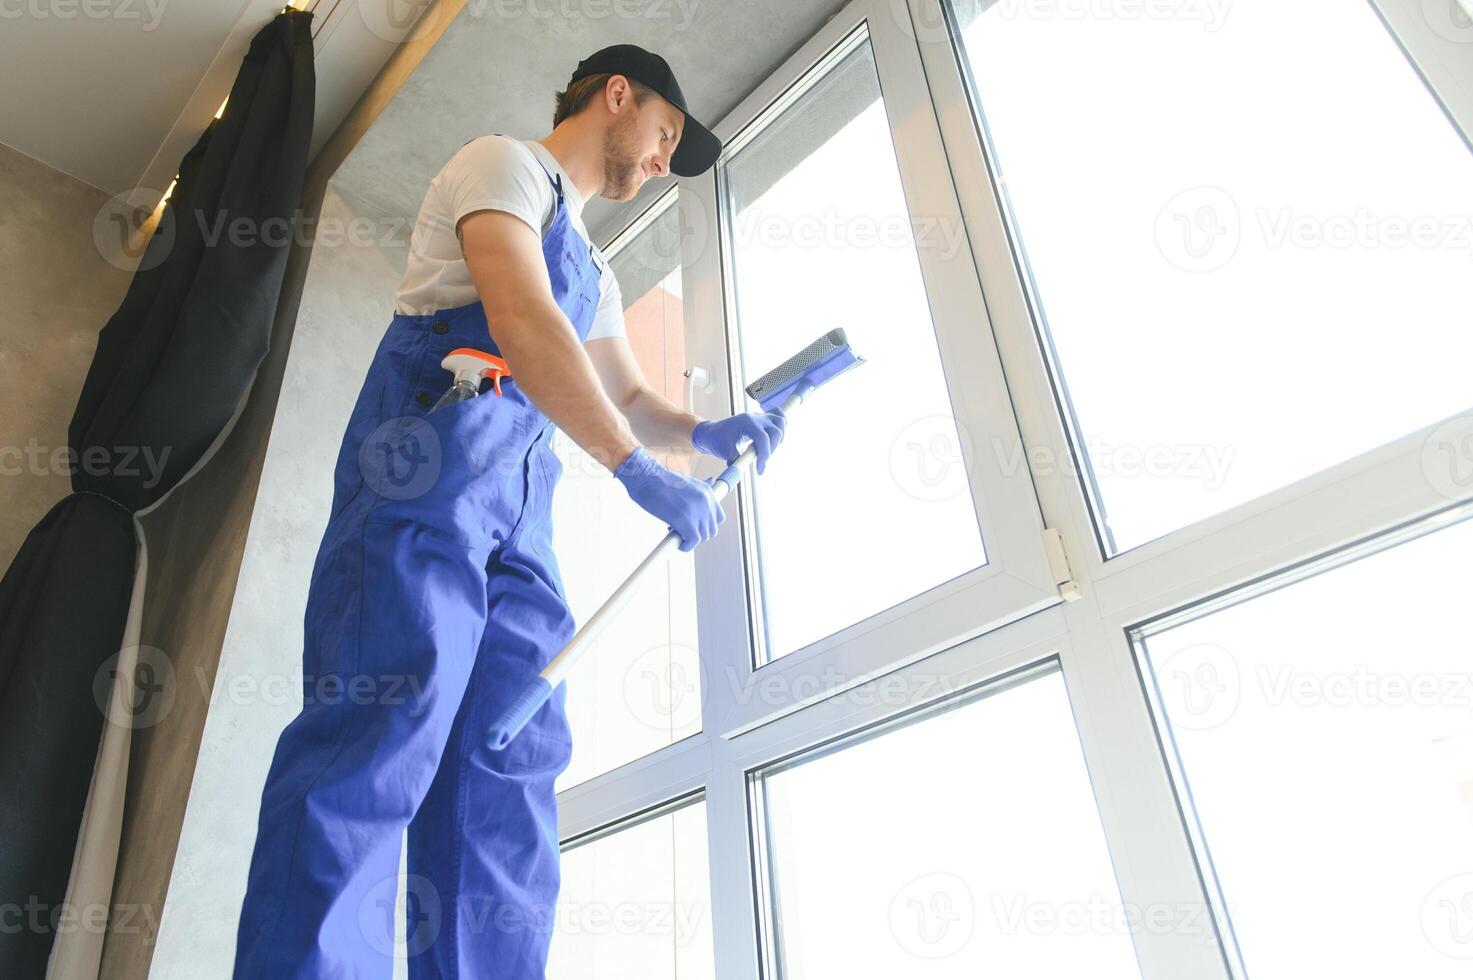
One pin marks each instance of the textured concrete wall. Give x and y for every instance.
(59, 290)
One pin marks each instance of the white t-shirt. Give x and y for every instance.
(497, 173)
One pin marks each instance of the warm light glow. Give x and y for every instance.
(167, 192)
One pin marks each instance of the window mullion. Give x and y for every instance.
(1165, 905)
(733, 886)
(720, 583)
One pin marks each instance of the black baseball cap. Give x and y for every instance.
(698, 147)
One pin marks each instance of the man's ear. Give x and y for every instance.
(618, 93)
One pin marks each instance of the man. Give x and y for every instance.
(435, 595)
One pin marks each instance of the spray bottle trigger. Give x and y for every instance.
(470, 365)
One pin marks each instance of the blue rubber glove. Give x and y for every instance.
(722, 437)
(688, 505)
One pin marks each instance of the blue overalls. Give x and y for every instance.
(434, 598)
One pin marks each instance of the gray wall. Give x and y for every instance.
(59, 291)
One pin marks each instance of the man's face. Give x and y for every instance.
(638, 145)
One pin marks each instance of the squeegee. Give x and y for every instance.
(785, 386)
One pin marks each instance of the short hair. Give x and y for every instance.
(576, 96)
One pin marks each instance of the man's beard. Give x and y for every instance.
(621, 160)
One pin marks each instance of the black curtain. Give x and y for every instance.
(172, 365)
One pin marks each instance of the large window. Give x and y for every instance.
(928, 852)
(869, 503)
(1106, 622)
(638, 689)
(636, 903)
(1248, 228)
(1325, 738)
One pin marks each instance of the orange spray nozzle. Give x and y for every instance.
(471, 365)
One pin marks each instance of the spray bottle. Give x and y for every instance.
(469, 366)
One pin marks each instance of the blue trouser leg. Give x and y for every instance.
(351, 770)
(484, 844)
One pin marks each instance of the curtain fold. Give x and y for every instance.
(172, 367)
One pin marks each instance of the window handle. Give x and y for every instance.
(695, 377)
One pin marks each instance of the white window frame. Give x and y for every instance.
(1445, 63)
(1017, 579)
(960, 636)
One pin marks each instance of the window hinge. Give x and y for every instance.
(1058, 563)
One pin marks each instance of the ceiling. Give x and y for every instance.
(143, 79)
(497, 67)
(116, 93)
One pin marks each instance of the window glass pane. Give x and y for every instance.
(638, 689)
(1326, 733)
(966, 845)
(636, 905)
(867, 503)
(1249, 229)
